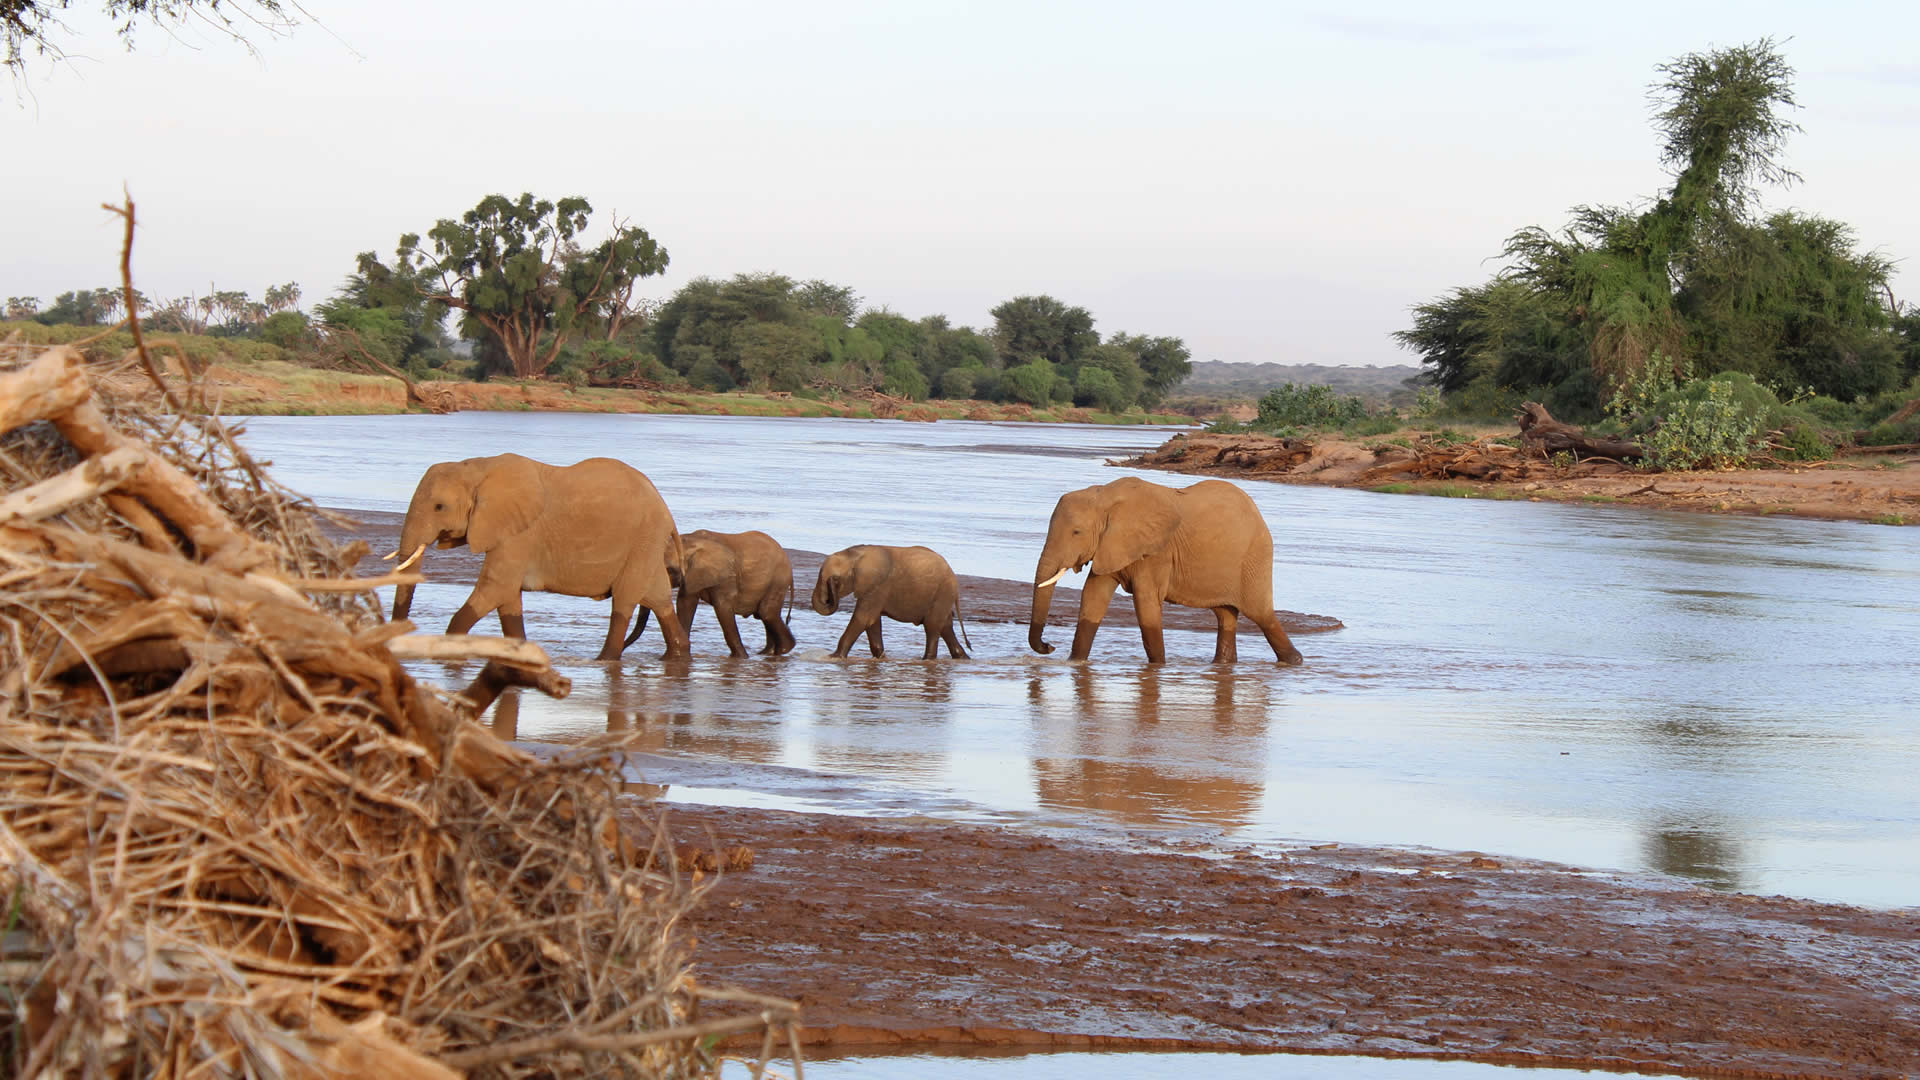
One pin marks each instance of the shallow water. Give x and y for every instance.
(1727, 700)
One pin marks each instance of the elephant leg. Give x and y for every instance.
(513, 621)
(479, 606)
(670, 628)
(685, 608)
(866, 620)
(932, 651)
(873, 640)
(1146, 608)
(1283, 649)
(1093, 607)
(730, 629)
(617, 621)
(779, 636)
(953, 642)
(1226, 644)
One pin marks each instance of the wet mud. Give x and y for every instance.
(932, 935)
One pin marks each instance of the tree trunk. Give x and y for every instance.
(1542, 435)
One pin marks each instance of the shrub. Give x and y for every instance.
(1288, 405)
(1719, 422)
(957, 383)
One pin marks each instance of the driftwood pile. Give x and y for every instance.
(237, 839)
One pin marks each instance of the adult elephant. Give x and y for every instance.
(595, 529)
(1203, 546)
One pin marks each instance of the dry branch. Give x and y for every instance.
(243, 840)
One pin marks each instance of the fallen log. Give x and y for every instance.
(1542, 436)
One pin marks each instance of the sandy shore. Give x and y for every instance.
(1882, 489)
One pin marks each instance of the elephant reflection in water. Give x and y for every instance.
(889, 717)
(677, 712)
(1153, 749)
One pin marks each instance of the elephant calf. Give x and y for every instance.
(911, 584)
(737, 574)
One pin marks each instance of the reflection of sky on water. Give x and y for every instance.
(1727, 700)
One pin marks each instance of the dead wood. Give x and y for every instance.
(1543, 436)
(241, 839)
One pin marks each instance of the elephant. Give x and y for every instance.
(597, 528)
(736, 574)
(911, 584)
(1202, 546)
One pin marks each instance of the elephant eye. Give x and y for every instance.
(439, 506)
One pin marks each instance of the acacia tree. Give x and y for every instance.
(514, 268)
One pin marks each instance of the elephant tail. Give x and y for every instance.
(957, 617)
(790, 591)
(639, 625)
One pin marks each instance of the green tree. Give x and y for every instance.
(1698, 278)
(1165, 360)
(287, 329)
(1124, 382)
(22, 308)
(398, 293)
(777, 355)
(1040, 327)
(1720, 115)
(81, 307)
(514, 268)
(1031, 382)
(957, 383)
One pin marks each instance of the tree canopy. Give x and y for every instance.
(1700, 276)
(515, 269)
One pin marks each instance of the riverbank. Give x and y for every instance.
(1881, 489)
(931, 936)
(279, 388)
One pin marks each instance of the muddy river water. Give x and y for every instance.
(1730, 701)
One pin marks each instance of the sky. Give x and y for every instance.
(1271, 182)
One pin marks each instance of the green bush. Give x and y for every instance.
(1288, 405)
(957, 383)
(1719, 422)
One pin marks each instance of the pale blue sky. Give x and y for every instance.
(1272, 182)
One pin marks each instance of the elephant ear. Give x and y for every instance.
(868, 569)
(1138, 525)
(709, 562)
(506, 503)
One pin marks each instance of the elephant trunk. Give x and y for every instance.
(412, 549)
(1044, 580)
(826, 598)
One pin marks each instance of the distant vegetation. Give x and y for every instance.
(537, 299)
(1692, 285)
(1376, 385)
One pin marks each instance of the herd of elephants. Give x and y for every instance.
(599, 529)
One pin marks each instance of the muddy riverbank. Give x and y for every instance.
(903, 934)
(1882, 489)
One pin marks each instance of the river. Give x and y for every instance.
(1727, 700)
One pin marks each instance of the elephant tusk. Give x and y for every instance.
(411, 559)
(1051, 580)
(391, 555)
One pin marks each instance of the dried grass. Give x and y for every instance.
(238, 839)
